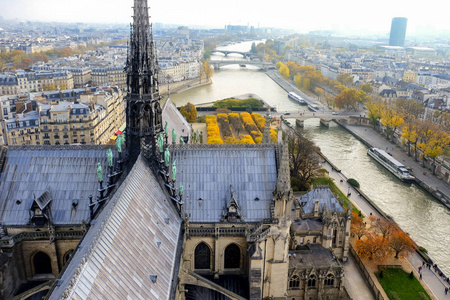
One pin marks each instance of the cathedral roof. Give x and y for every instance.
(207, 172)
(130, 252)
(325, 198)
(175, 120)
(68, 172)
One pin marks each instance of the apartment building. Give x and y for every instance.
(114, 76)
(92, 119)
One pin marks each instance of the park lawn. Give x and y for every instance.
(397, 285)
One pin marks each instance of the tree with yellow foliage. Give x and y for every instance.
(391, 120)
(207, 70)
(298, 80)
(189, 112)
(284, 70)
(410, 135)
(435, 145)
(349, 99)
(375, 108)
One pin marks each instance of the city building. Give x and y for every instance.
(92, 119)
(398, 32)
(114, 76)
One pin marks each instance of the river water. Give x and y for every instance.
(418, 213)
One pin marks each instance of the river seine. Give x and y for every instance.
(427, 221)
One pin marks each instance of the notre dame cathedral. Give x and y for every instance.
(156, 219)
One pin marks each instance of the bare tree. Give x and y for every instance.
(304, 160)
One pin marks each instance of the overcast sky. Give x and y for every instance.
(371, 16)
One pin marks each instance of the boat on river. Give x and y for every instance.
(390, 163)
(296, 98)
(313, 107)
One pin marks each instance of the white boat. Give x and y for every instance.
(296, 98)
(390, 163)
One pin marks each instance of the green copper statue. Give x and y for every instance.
(181, 140)
(161, 143)
(166, 130)
(174, 170)
(119, 142)
(99, 172)
(174, 136)
(195, 138)
(109, 154)
(167, 157)
(181, 190)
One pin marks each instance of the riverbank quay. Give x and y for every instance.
(426, 180)
(431, 281)
(289, 87)
(181, 86)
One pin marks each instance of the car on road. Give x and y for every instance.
(286, 114)
(334, 113)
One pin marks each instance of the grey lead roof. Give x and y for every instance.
(175, 120)
(207, 173)
(325, 198)
(68, 175)
(134, 238)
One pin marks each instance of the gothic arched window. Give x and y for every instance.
(312, 281)
(294, 282)
(202, 256)
(329, 280)
(232, 257)
(42, 263)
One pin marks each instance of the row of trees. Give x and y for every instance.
(309, 79)
(20, 60)
(380, 238)
(426, 137)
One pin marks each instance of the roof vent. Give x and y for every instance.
(166, 220)
(200, 201)
(18, 202)
(256, 199)
(153, 278)
(75, 203)
(158, 244)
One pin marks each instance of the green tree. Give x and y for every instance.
(367, 88)
(207, 53)
(253, 48)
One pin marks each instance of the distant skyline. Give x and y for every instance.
(302, 16)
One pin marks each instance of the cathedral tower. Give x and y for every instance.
(143, 108)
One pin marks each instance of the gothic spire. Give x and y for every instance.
(143, 108)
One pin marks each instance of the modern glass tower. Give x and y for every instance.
(398, 32)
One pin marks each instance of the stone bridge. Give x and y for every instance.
(226, 52)
(261, 64)
(325, 119)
